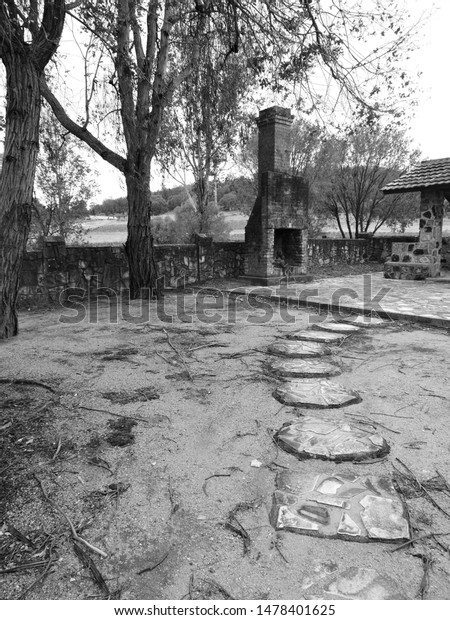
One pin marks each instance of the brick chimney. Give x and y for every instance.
(274, 140)
(276, 233)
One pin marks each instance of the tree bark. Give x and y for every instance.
(139, 244)
(17, 179)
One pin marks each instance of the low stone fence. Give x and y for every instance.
(55, 267)
(351, 251)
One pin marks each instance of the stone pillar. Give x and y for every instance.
(430, 235)
(274, 140)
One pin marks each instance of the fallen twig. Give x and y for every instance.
(170, 362)
(71, 526)
(388, 415)
(89, 563)
(276, 544)
(150, 568)
(280, 409)
(240, 353)
(414, 540)
(275, 464)
(20, 567)
(99, 462)
(183, 361)
(205, 346)
(235, 526)
(427, 495)
(58, 449)
(191, 586)
(27, 382)
(39, 579)
(213, 476)
(238, 529)
(432, 394)
(23, 539)
(219, 588)
(404, 407)
(427, 563)
(117, 415)
(174, 504)
(359, 419)
(441, 545)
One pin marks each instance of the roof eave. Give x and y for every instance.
(419, 188)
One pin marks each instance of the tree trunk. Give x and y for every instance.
(203, 204)
(17, 180)
(139, 244)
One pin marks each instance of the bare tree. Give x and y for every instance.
(354, 168)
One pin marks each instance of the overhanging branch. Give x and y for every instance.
(80, 132)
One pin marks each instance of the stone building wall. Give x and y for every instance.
(420, 260)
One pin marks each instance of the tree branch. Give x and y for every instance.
(47, 39)
(80, 132)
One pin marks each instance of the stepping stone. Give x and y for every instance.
(303, 368)
(363, 320)
(343, 506)
(316, 336)
(353, 584)
(298, 349)
(332, 440)
(340, 328)
(313, 393)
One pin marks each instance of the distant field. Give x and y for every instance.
(104, 231)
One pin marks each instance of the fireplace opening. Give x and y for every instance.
(287, 247)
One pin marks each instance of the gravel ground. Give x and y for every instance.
(155, 496)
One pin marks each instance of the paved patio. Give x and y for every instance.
(419, 301)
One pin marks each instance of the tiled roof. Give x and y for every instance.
(434, 173)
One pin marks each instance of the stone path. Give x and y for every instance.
(339, 504)
(419, 301)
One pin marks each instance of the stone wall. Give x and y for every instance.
(53, 268)
(352, 251)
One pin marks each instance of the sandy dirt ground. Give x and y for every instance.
(155, 497)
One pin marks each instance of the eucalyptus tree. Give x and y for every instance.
(155, 46)
(201, 128)
(29, 36)
(283, 41)
(64, 184)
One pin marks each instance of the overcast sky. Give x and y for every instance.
(430, 127)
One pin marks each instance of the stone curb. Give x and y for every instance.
(325, 306)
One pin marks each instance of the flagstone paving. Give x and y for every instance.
(338, 505)
(328, 583)
(419, 301)
(339, 328)
(335, 440)
(298, 350)
(315, 394)
(313, 335)
(302, 368)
